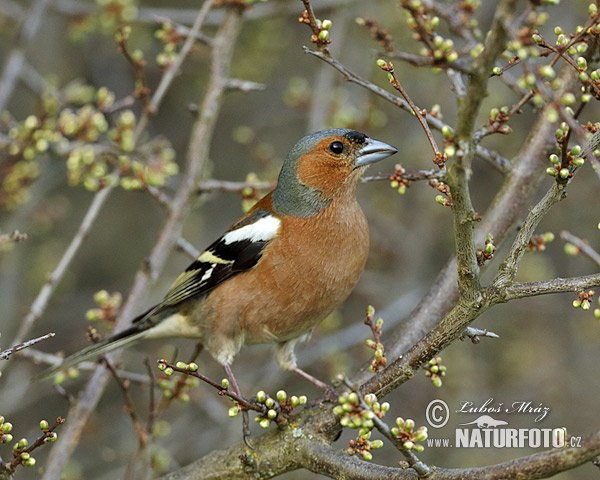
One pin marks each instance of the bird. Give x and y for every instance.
(285, 265)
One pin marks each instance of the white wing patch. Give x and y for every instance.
(259, 231)
(208, 273)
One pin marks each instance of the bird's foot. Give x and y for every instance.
(246, 429)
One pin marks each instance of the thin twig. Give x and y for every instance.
(440, 157)
(173, 70)
(7, 353)
(228, 186)
(188, 248)
(508, 269)
(151, 397)
(124, 387)
(257, 407)
(582, 246)
(556, 285)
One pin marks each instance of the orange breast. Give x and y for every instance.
(304, 274)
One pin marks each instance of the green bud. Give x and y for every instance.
(408, 445)
(261, 396)
(582, 63)
(323, 34)
(281, 396)
(7, 438)
(233, 411)
(579, 161)
(181, 365)
(381, 63)
(554, 159)
(370, 310)
(409, 424)
(225, 383)
(51, 437)
(440, 199)
(497, 71)
(168, 371)
(22, 444)
(353, 398)
(551, 171)
(7, 427)
(271, 414)
(576, 303)
(564, 172)
(585, 304)
(44, 425)
(571, 249)
(326, 25)
(597, 313)
(367, 455)
(269, 402)
(30, 462)
(576, 150)
(548, 237)
(370, 398)
(420, 434)
(338, 410)
(375, 444)
(264, 423)
(437, 381)
(568, 99)
(546, 71)
(302, 400)
(25, 456)
(192, 367)
(102, 297)
(452, 57)
(489, 248)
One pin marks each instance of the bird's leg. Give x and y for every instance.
(287, 359)
(245, 416)
(330, 393)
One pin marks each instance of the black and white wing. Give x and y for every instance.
(236, 251)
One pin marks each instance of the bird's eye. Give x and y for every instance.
(336, 147)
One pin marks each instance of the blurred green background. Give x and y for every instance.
(547, 352)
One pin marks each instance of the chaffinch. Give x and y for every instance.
(280, 269)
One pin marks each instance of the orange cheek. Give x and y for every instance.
(323, 173)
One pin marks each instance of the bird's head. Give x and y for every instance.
(324, 165)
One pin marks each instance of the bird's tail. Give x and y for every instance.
(125, 338)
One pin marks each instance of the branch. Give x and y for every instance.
(227, 186)
(582, 246)
(8, 352)
(508, 269)
(556, 285)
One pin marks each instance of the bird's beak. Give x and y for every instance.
(373, 151)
